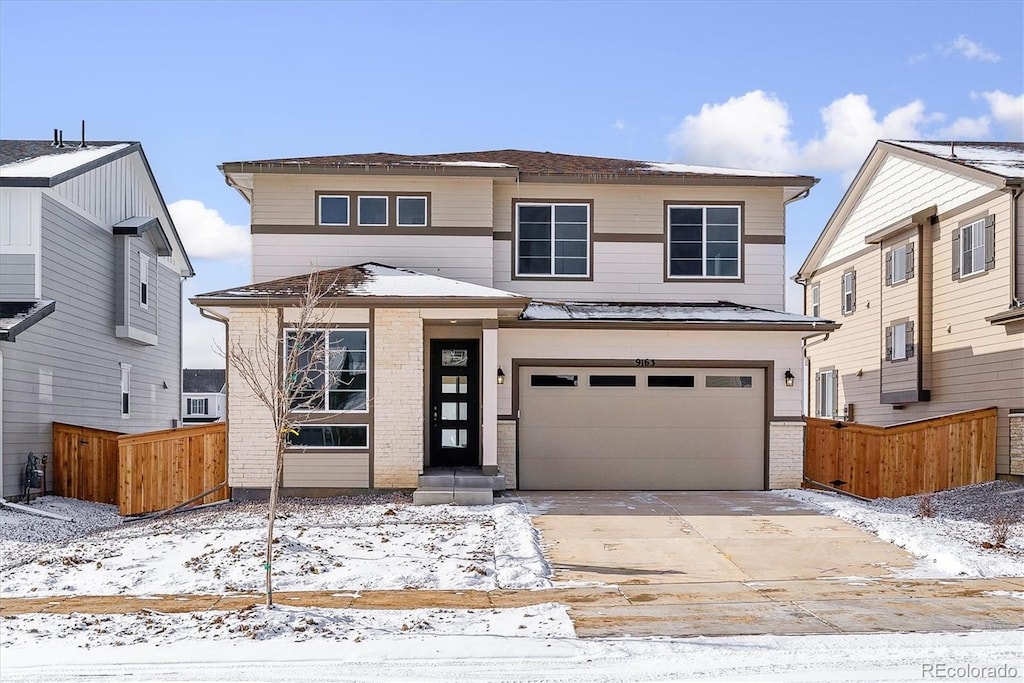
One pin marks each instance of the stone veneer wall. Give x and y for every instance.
(785, 455)
(507, 451)
(251, 445)
(397, 397)
(1017, 443)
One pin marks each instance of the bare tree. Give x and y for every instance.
(286, 373)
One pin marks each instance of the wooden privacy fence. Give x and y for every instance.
(905, 459)
(140, 473)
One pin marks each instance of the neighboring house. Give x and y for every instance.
(202, 395)
(923, 263)
(568, 322)
(90, 296)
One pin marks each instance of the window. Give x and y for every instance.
(899, 341)
(704, 241)
(144, 280)
(553, 380)
(974, 247)
(199, 406)
(613, 380)
(331, 369)
(670, 382)
(412, 211)
(899, 264)
(373, 211)
(126, 387)
(330, 436)
(728, 382)
(333, 209)
(815, 300)
(849, 294)
(826, 393)
(553, 239)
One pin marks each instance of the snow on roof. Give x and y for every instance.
(664, 167)
(366, 280)
(18, 316)
(720, 312)
(1004, 159)
(58, 161)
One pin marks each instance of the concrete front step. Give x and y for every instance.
(452, 496)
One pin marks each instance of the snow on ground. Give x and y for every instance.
(953, 542)
(330, 544)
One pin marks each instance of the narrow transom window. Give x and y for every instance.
(412, 211)
(704, 241)
(373, 211)
(329, 372)
(334, 210)
(553, 239)
(144, 280)
(972, 248)
(330, 436)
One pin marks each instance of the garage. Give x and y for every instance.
(641, 428)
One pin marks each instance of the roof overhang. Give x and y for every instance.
(1013, 315)
(140, 225)
(18, 316)
(363, 302)
(902, 225)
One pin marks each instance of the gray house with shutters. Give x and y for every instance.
(91, 269)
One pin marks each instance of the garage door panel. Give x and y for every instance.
(685, 438)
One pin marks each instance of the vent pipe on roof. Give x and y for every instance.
(60, 139)
(54, 144)
(83, 134)
(952, 150)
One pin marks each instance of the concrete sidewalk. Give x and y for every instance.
(663, 609)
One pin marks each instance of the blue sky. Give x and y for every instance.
(799, 86)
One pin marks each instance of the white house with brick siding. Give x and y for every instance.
(547, 321)
(923, 263)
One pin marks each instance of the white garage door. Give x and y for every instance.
(641, 429)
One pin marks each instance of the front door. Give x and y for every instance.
(454, 403)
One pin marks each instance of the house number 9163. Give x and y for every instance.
(645, 363)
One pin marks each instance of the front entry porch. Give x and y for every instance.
(457, 486)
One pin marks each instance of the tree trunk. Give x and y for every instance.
(271, 516)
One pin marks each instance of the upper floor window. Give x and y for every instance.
(974, 247)
(899, 264)
(816, 299)
(198, 406)
(412, 211)
(552, 239)
(144, 280)
(126, 388)
(373, 210)
(703, 241)
(899, 341)
(849, 293)
(333, 209)
(330, 370)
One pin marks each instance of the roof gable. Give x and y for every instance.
(204, 381)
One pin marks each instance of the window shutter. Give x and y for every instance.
(990, 242)
(888, 343)
(956, 254)
(853, 287)
(910, 339)
(888, 267)
(910, 260)
(835, 393)
(842, 294)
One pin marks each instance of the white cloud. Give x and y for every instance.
(619, 125)
(1008, 111)
(200, 336)
(206, 234)
(751, 131)
(971, 50)
(965, 128)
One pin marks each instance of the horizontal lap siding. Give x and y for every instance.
(343, 470)
(17, 276)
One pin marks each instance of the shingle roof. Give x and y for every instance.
(1004, 159)
(528, 162)
(202, 381)
(18, 316)
(21, 151)
(720, 313)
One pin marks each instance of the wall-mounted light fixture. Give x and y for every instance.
(501, 375)
(789, 377)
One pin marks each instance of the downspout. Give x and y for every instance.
(1015, 293)
(805, 345)
(1, 424)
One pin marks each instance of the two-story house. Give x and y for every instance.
(569, 322)
(90, 295)
(923, 264)
(203, 395)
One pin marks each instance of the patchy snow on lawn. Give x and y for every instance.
(330, 544)
(956, 542)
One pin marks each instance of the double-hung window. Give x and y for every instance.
(552, 240)
(329, 372)
(971, 256)
(703, 241)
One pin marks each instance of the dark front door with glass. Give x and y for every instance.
(454, 403)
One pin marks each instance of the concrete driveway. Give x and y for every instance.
(730, 563)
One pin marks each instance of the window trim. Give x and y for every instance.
(359, 211)
(852, 308)
(398, 211)
(354, 227)
(326, 404)
(300, 449)
(126, 391)
(516, 203)
(668, 205)
(960, 231)
(320, 196)
(907, 348)
(144, 280)
(816, 299)
(899, 341)
(820, 395)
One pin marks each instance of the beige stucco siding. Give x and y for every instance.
(280, 199)
(466, 258)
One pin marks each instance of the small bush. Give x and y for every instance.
(926, 506)
(1001, 530)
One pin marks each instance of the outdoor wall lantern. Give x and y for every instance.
(501, 375)
(789, 378)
